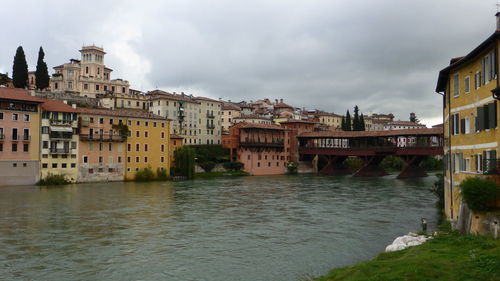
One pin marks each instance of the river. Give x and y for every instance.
(246, 228)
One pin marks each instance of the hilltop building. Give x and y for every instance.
(470, 89)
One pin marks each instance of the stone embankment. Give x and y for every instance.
(405, 241)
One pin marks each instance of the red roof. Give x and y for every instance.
(18, 94)
(261, 126)
(230, 107)
(282, 105)
(158, 94)
(251, 116)
(120, 113)
(360, 134)
(299, 121)
(57, 106)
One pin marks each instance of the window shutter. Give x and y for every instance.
(494, 63)
(462, 126)
(492, 115)
(486, 117)
(452, 121)
(483, 66)
(480, 119)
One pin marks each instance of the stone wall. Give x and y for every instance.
(100, 173)
(80, 101)
(19, 172)
(217, 168)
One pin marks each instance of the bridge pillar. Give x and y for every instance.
(371, 167)
(335, 167)
(412, 169)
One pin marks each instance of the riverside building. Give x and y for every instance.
(470, 89)
(19, 137)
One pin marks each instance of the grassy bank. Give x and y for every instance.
(219, 174)
(446, 257)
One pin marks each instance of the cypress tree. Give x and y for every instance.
(362, 123)
(20, 69)
(41, 74)
(342, 126)
(355, 121)
(348, 124)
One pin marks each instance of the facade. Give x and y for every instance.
(101, 146)
(402, 125)
(229, 112)
(148, 143)
(209, 123)
(19, 137)
(87, 76)
(263, 149)
(253, 119)
(470, 88)
(59, 140)
(182, 110)
(132, 100)
(329, 119)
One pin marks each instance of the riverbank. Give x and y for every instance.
(448, 256)
(210, 175)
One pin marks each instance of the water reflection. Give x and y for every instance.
(250, 228)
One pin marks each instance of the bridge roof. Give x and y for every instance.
(367, 134)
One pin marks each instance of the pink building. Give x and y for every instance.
(262, 148)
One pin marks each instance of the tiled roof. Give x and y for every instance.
(251, 116)
(121, 113)
(261, 126)
(231, 107)
(298, 121)
(57, 106)
(282, 105)
(159, 94)
(206, 99)
(18, 94)
(386, 133)
(322, 113)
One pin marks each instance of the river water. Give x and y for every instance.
(246, 228)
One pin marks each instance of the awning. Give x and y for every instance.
(61, 129)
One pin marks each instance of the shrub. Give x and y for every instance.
(432, 163)
(208, 166)
(53, 179)
(353, 163)
(233, 166)
(392, 163)
(144, 175)
(211, 152)
(479, 193)
(162, 174)
(184, 162)
(291, 167)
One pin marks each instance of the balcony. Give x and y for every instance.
(61, 135)
(251, 143)
(15, 137)
(54, 150)
(210, 115)
(26, 138)
(57, 122)
(210, 126)
(102, 138)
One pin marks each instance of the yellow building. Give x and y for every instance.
(148, 143)
(470, 110)
(330, 119)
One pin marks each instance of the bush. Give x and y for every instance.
(145, 175)
(208, 166)
(233, 166)
(291, 167)
(353, 163)
(162, 174)
(53, 179)
(432, 164)
(184, 162)
(479, 193)
(211, 152)
(392, 163)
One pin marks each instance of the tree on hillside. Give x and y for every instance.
(4, 79)
(41, 74)
(413, 118)
(348, 124)
(362, 123)
(20, 69)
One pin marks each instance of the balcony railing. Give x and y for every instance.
(491, 166)
(26, 138)
(88, 137)
(15, 137)
(59, 135)
(210, 126)
(210, 115)
(54, 150)
(59, 122)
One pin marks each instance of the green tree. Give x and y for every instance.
(355, 121)
(362, 123)
(4, 79)
(41, 74)
(348, 123)
(343, 126)
(20, 69)
(184, 162)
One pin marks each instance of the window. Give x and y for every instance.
(101, 146)
(64, 165)
(100, 160)
(145, 159)
(26, 117)
(110, 147)
(162, 148)
(25, 147)
(1, 115)
(54, 165)
(111, 121)
(162, 159)
(101, 120)
(455, 124)
(97, 87)
(477, 80)
(145, 147)
(14, 147)
(45, 165)
(146, 134)
(467, 85)
(15, 116)
(1, 146)
(137, 159)
(73, 165)
(128, 160)
(137, 147)
(119, 159)
(85, 86)
(129, 147)
(137, 134)
(85, 159)
(162, 135)
(91, 146)
(467, 126)
(456, 87)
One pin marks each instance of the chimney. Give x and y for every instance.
(281, 100)
(276, 101)
(498, 20)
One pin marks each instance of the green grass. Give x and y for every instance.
(220, 174)
(446, 257)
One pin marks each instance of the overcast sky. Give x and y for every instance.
(383, 56)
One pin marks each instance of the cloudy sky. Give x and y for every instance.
(383, 56)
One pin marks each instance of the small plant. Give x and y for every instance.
(208, 166)
(161, 174)
(145, 175)
(292, 167)
(479, 193)
(53, 179)
(122, 129)
(233, 166)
